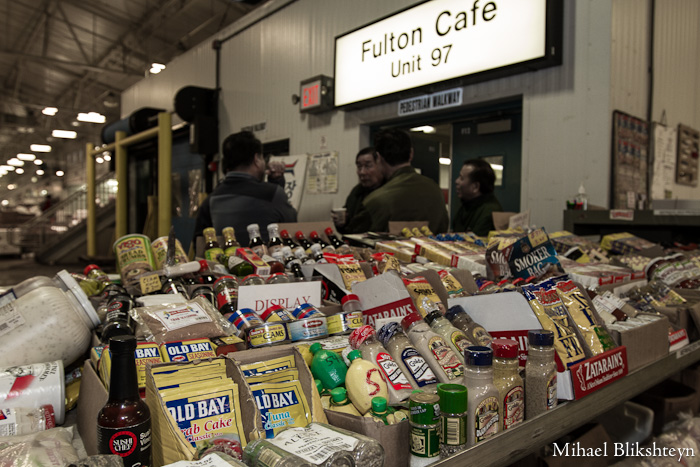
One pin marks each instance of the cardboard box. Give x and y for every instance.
(667, 400)
(691, 378)
(393, 438)
(645, 344)
(93, 396)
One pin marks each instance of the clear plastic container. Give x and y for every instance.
(47, 324)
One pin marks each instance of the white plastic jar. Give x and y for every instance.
(13, 293)
(47, 324)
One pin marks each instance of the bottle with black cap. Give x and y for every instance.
(124, 423)
(118, 321)
(540, 373)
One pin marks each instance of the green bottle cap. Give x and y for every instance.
(379, 404)
(315, 347)
(339, 395)
(319, 386)
(424, 408)
(453, 398)
(354, 354)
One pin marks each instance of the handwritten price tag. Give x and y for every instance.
(537, 237)
(150, 283)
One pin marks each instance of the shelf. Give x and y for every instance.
(509, 446)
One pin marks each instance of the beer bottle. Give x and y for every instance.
(212, 250)
(230, 242)
(124, 423)
(287, 239)
(256, 242)
(275, 242)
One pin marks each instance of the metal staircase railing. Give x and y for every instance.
(31, 236)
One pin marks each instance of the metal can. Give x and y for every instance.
(160, 251)
(344, 323)
(243, 320)
(306, 310)
(266, 335)
(134, 256)
(276, 313)
(308, 328)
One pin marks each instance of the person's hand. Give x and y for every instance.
(275, 169)
(339, 217)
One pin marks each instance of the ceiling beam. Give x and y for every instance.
(56, 61)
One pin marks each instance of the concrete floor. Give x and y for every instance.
(14, 270)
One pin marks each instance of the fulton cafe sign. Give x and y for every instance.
(440, 40)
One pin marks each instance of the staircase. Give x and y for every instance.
(59, 234)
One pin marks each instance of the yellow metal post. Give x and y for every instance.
(91, 207)
(120, 155)
(165, 169)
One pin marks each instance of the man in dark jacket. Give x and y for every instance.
(474, 187)
(242, 198)
(406, 195)
(371, 177)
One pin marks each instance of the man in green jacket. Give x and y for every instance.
(406, 195)
(370, 176)
(474, 187)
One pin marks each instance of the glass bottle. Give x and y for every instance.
(302, 240)
(365, 339)
(287, 239)
(453, 419)
(226, 293)
(275, 243)
(317, 253)
(212, 250)
(302, 257)
(540, 374)
(292, 264)
(340, 246)
(425, 230)
(424, 420)
(506, 378)
(276, 266)
(483, 397)
(453, 336)
(94, 273)
(316, 238)
(439, 355)
(460, 319)
(341, 403)
(124, 423)
(256, 242)
(118, 321)
(253, 279)
(240, 267)
(230, 242)
(407, 357)
(174, 285)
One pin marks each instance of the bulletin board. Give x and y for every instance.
(630, 162)
(663, 156)
(687, 156)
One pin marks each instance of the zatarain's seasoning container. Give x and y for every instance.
(266, 335)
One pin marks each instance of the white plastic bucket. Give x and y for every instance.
(32, 386)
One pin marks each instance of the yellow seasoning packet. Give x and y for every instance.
(351, 273)
(281, 405)
(452, 285)
(419, 288)
(207, 415)
(268, 366)
(177, 381)
(179, 374)
(217, 363)
(284, 376)
(187, 350)
(552, 315)
(595, 336)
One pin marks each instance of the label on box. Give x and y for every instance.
(183, 316)
(261, 297)
(599, 371)
(187, 351)
(677, 339)
(394, 311)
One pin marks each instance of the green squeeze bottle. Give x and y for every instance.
(328, 367)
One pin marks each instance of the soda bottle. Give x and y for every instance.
(275, 243)
(287, 239)
(230, 242)
(316, 238)
(212, 250)
(124, 423)
(303, 240)
(256, 242)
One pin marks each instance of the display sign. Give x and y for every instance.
(440, 40)
(291, 295)
(427, 102)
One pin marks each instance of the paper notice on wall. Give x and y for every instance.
(322, 173)
(294, 174)
(664, 168)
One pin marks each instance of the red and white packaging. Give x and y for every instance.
(384, 298)
(33, 386)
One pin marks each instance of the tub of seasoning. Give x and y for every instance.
(344, 322)
(267, 335)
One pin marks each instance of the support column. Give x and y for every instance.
(165, 169)
(90, 201)
(120, 154)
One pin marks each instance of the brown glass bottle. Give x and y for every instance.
(303, 241)
(124, 423)
(275, 243)
(256, 242)
(212, 250)
(230, 242)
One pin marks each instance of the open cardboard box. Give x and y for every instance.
(93, 396)
(645, 344)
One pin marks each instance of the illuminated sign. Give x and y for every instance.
(316, 94)
(441, 40)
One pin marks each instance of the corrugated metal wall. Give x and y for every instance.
(566, 110)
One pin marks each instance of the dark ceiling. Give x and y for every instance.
(79, 55)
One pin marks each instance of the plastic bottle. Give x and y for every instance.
(325, 246)
(327, 366)
(453, 336)
(341, 403)
(351, 302)
(324, 394)
(340, 246)
(381, 412)
(230, 242)
(316, 445)
(483, 397)
(473, 330)
(118, 320)
(366, 451)
(407, 357)
(437, 352)
(33, 283)
(262, 453)
(506, 378)
(582, 197)
(365, 339)
(212, 250)
(124, 423)
(23, 420)
(425, 428)
(453, 419)
(364, 380)
(57, 323)
(540, 374)
(275, 243)
(256, 242)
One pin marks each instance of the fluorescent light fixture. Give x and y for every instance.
(38, 161)
(40, 172)
(44, 192)
(445, 161)
(91, 117)
(7, 168)
(156, 68)
(424, 129)
(11, 186)
(26, 157)
(64, 134)
(40, 148)
(3, 172)
(50, 111)
(107, 157)
(99, 160)
(15, 162)
(496, 166)
(5, 202)
(60, 173)
(19, 170)
(74, 123)
(34, 179)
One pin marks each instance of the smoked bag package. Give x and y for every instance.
(522, 257)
